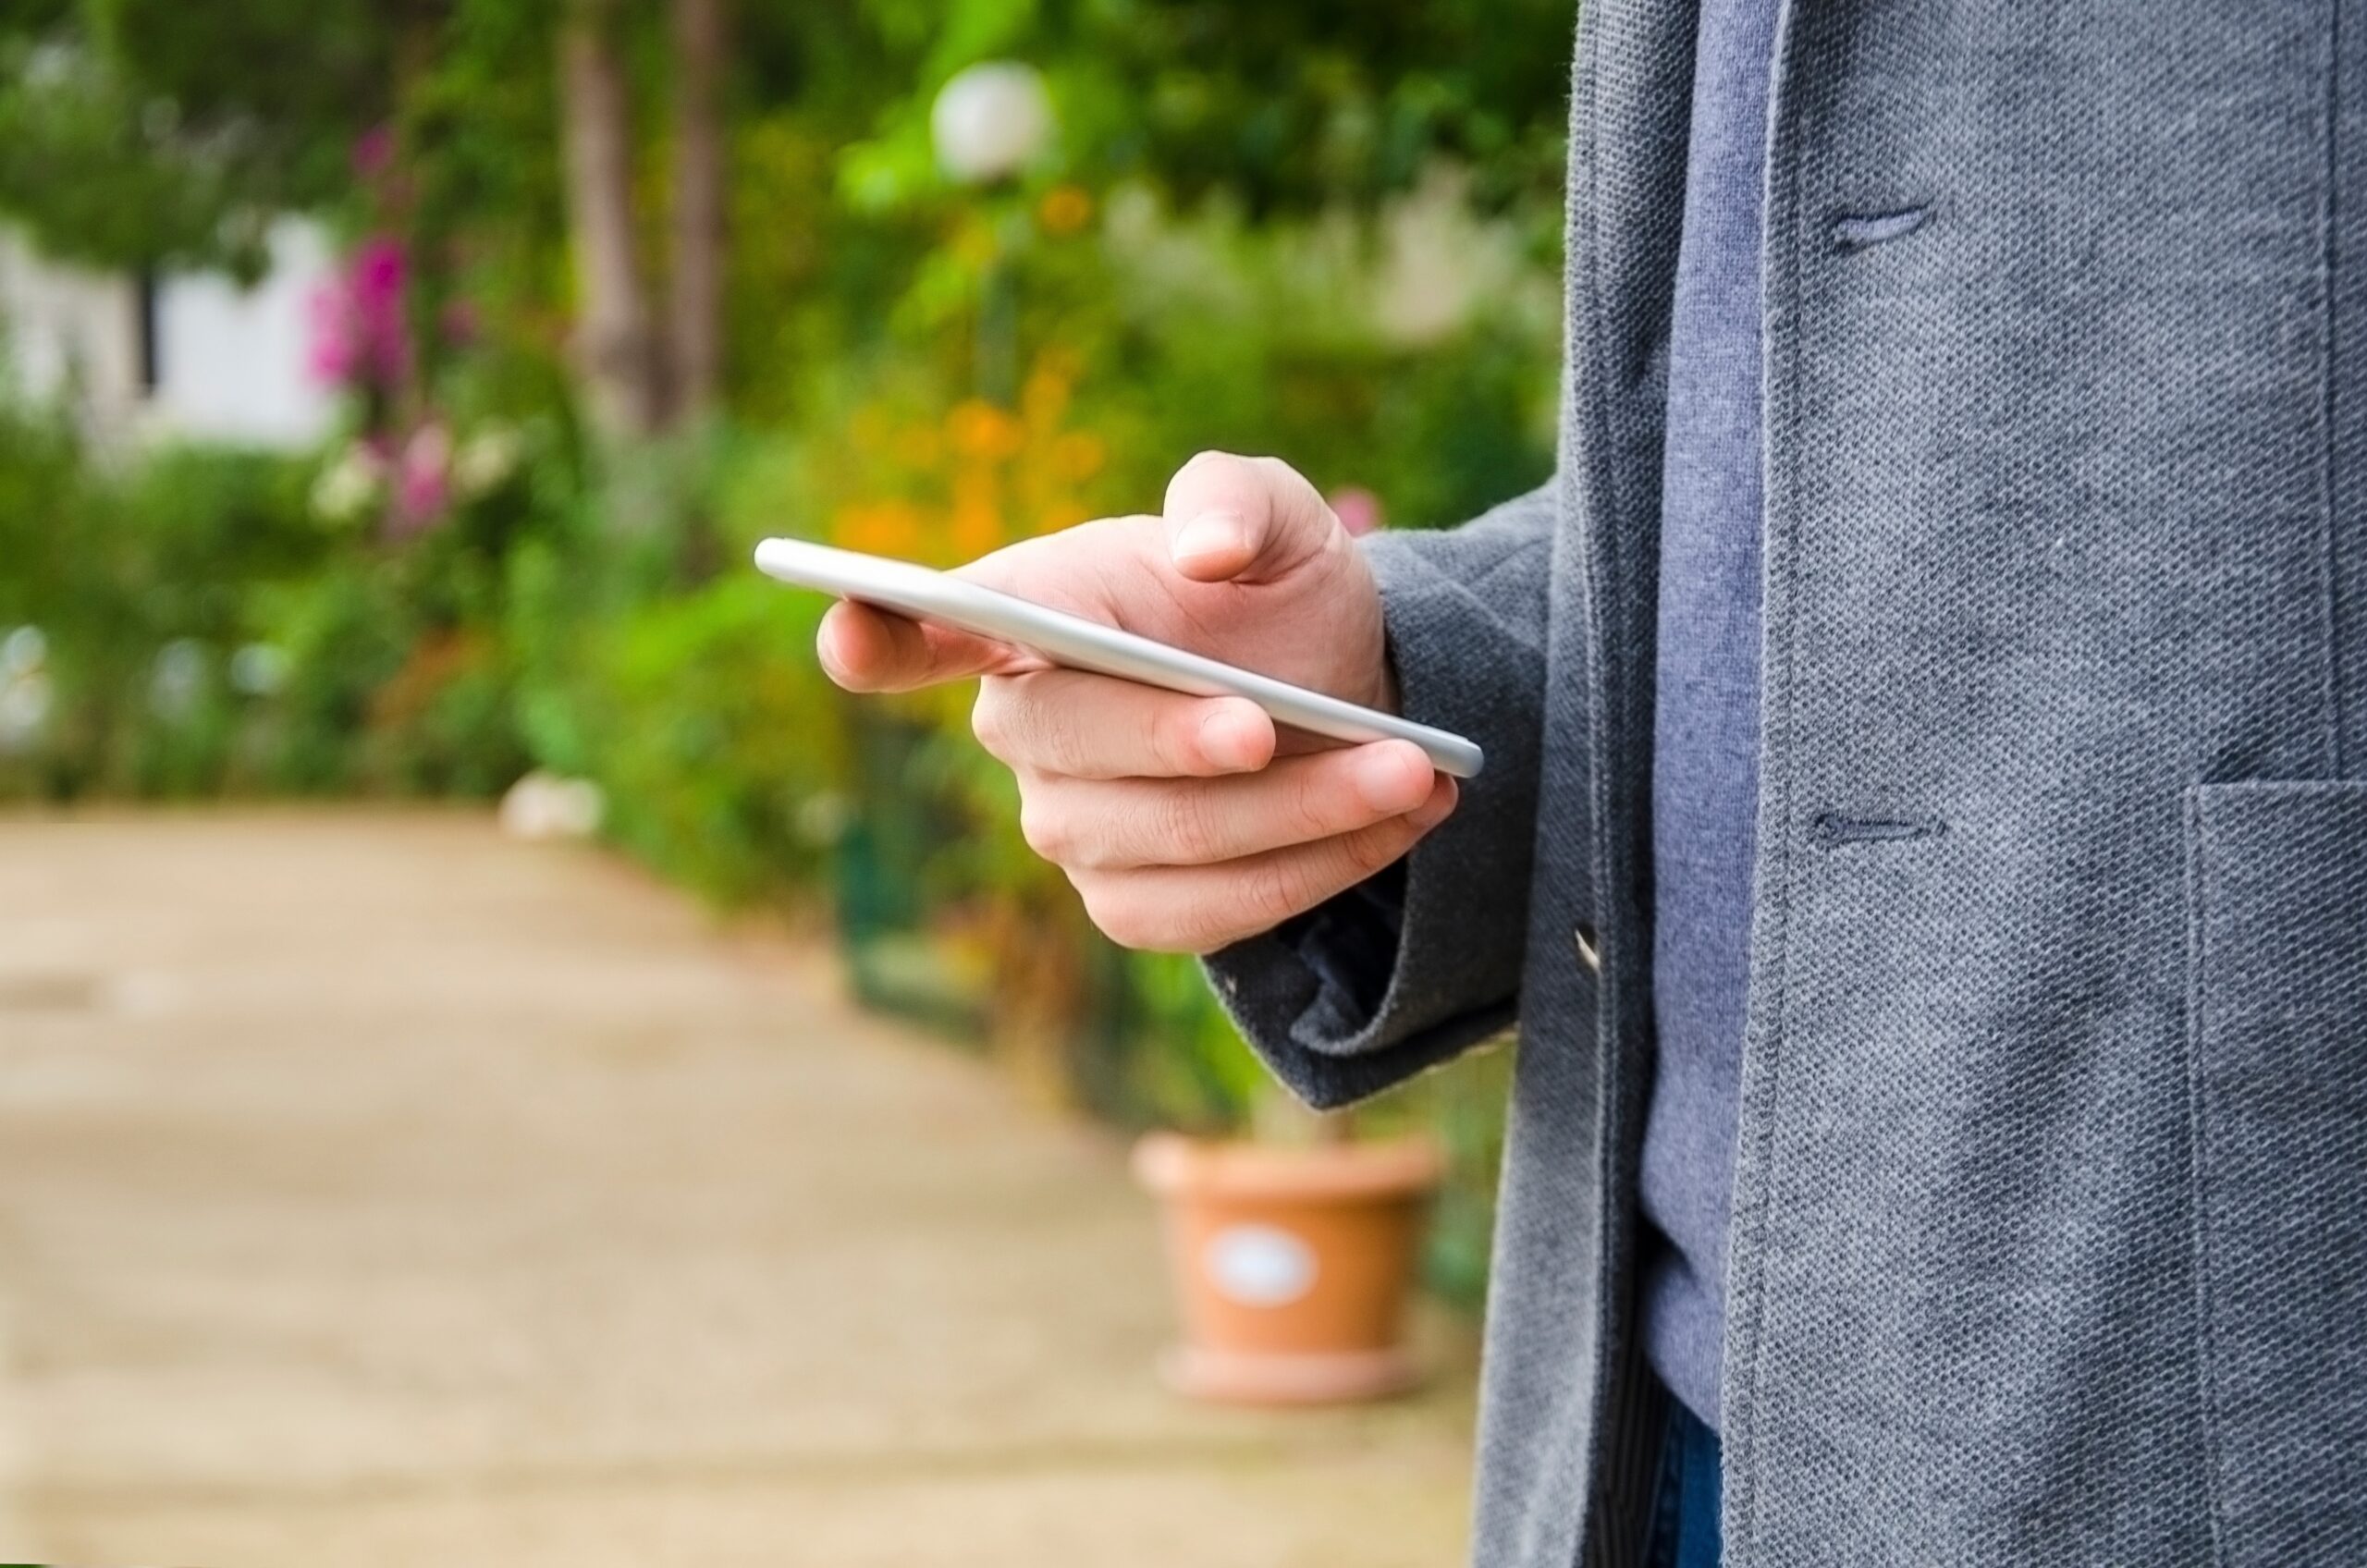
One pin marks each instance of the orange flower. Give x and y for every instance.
(981, 430)
(884, 528)
(976, 486)
(1064, 209)
(974, 529)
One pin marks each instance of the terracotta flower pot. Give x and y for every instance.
(1291, 1265)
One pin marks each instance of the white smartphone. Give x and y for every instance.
(1071, 641)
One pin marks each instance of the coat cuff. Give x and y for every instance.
(1418, 964)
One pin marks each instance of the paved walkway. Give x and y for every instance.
(374, 1191)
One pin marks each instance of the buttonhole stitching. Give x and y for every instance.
(1856, 232)
(1833, 827)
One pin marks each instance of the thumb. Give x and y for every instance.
(1244, 520)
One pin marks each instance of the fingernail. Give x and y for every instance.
(1212, 535)
(826, 651)
(1436, 808)
(1233, 739)
(1387, 783)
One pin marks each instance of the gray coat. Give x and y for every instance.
(2051, 1196)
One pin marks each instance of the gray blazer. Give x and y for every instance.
(2051, 1201)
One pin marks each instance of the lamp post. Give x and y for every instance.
(989, 123)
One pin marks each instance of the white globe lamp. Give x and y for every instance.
(990, 122)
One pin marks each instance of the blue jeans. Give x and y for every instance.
(1685, 1511)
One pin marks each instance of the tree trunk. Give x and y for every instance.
(695, 317)
(616, 349)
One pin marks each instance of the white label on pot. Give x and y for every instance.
(1258, 1265)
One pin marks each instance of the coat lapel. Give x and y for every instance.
(1631, 114)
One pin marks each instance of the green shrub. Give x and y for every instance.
(719, 742)
(207, 632)
(143, 581)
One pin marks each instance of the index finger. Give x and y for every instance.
(866, 649)
(1086, 726)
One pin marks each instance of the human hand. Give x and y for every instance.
(1186, 823)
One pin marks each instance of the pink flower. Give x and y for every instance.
(332, 356)
(1357, 509)
(422, 484)
(377, 272)
(361, 335)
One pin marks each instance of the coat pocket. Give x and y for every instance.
(2276, 880)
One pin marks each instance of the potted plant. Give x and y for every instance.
(1294, 1256)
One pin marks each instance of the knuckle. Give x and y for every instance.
(990, 720)
(1273, 889)
(1042, 733)
(1208, 469)
(1095, 895)
(1047, 831)
(1176, 741)
(1208, 459)
(1119, 917)
(1185, 827)
(1204, 939)
(1064, 749)
(1310, 798)
(1367, 853)
(1026, 727)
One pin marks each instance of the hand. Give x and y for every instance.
(1187, 822)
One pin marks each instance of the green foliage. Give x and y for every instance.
(1180, 1062)
(1325, 231)
(141, 132)
(1284, 108)
(721, 744)
(1303, 106)
(80, 171)
(203, 632)
(345, 639)
(138, 622)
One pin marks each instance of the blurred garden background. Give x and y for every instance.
(390, 393)
(552, 308)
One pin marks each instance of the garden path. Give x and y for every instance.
(375, 1191)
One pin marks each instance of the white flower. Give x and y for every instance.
(350, 486)
(259, 669)
(25, 648)
(485, 460)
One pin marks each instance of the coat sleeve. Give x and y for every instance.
(1424, 961)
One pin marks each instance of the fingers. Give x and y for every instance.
(1202, 908)
(1175, 820)
(1078, 726)
(1250, 520)
(869, 650)
(1089, 825)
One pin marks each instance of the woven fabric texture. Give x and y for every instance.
(2048, 1236)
